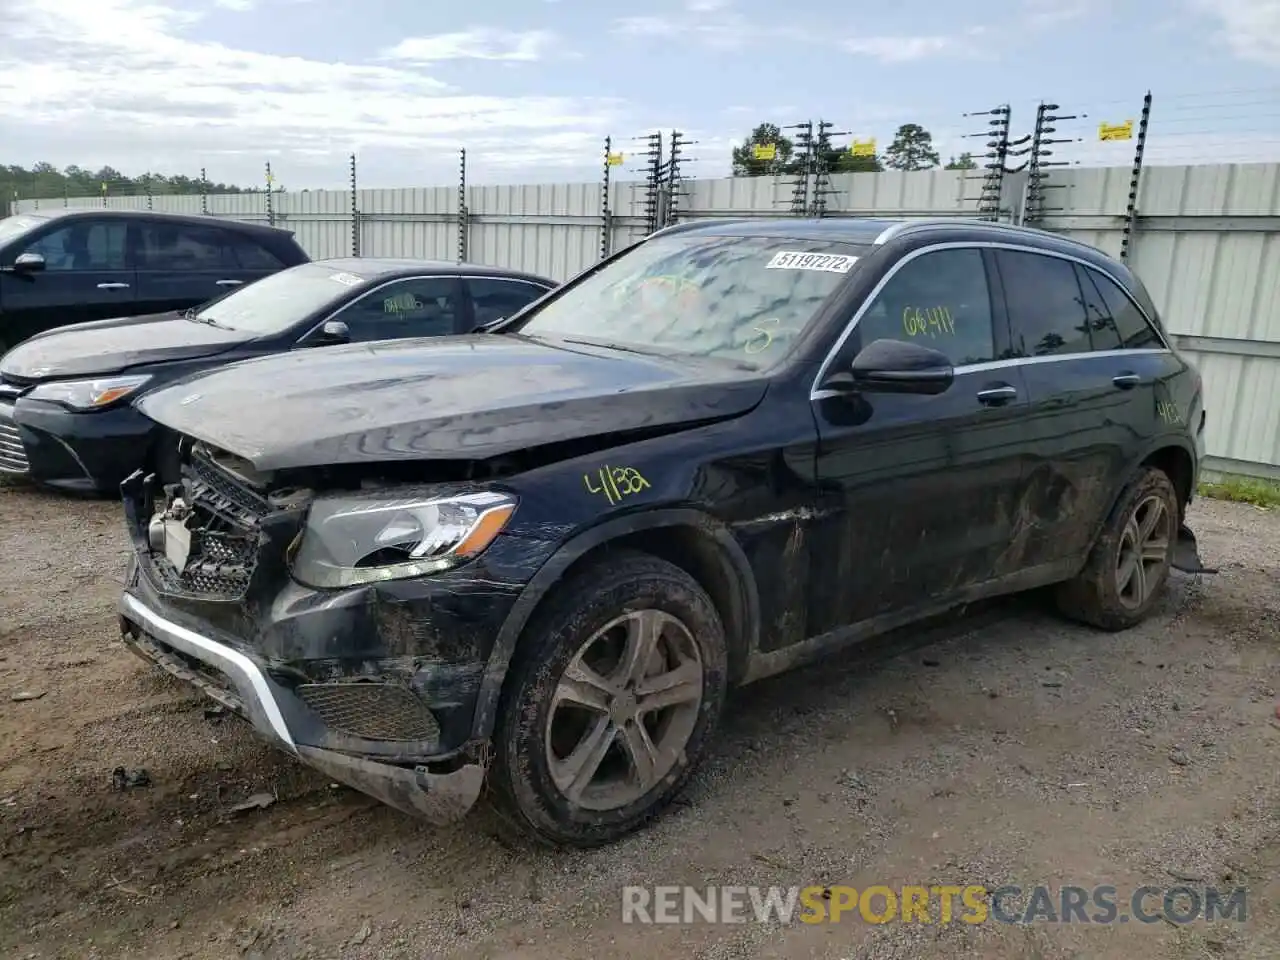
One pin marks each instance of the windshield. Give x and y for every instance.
(739, 298)
(278, 301)
(11, 227)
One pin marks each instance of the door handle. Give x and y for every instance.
(1126, 381)
(113, 286)
(228, 283)
(997, 394)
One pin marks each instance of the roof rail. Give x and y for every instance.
(903, 226)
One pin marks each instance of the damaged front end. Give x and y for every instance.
(371, 680)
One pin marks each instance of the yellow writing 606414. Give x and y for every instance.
(928, 322)
(614, 483)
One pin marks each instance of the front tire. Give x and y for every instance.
(1130, 561)
(609, 706)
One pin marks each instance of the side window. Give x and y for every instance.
(175, 249)
(85, 245)
(494, 299)
(1131, 326)
(418, 307)
(1046, 309)
(1102, 325)
(940, 300)
(251, 256)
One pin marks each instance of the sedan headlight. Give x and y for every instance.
(88, 394)
(353, 540)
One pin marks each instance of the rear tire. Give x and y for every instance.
(1129, 564)
(593, 738)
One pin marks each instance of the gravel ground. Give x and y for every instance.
(1008, 748)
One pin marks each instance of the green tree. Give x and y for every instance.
(963, 162)
(746, 165)
(45, 182)
(912, 149)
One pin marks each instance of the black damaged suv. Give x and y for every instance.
(542, 555)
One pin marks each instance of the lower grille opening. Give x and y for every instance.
(13, 455)
(370, 711)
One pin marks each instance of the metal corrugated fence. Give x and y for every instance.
(1204, 243)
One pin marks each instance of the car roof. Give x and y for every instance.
(877, 231)
(375, 268)
(188, 219)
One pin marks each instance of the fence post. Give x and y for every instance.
(147, 183)
(1131, 212)
(204, 192)
(606, 216)
(271, 214)
(462, 206)
(355, 213)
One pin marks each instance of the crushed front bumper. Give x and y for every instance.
(239, 683)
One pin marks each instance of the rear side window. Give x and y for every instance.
(1102, 326)
(1046, 307)
(495, 299)
(252, 256)
(939, 300)
(183, 248)
(1132, 329)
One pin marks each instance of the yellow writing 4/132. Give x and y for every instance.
(615, 482)
(928, 322)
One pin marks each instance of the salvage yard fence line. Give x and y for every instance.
(1202, 237)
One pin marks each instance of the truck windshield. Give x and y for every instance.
(738, 298)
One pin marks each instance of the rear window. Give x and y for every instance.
(745, 299)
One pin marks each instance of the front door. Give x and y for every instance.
(927, 486)
(87, 276)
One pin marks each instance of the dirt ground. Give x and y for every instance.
(1008, 748)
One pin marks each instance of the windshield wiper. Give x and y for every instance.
(610, 345)
(191, 314)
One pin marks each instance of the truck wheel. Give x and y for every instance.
(609, 705)
(1129, 563)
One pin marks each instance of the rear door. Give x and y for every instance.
(183, 265)
(929, 485)
(88, 276)
(493, 298)
(1092, 398)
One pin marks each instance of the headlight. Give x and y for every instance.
(88, 394)
(354, 540)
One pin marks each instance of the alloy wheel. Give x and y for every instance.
(624, 709)
(1144, 551)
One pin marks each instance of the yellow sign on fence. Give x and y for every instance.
(1116, 131)
(615, 159)
(863, 148)
(764, 151)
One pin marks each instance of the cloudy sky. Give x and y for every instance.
(531, 87)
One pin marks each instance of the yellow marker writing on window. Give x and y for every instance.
(928, 322)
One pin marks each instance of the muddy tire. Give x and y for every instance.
(610, 704)
(1129, 564)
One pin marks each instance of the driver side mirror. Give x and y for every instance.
(29, 263)
(894, 366)
(335, 331)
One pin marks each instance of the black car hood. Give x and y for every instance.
(113, 346)
(469, 397)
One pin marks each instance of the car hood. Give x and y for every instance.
(112, 346)
(451, 398)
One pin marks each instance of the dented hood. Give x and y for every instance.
(449, 398)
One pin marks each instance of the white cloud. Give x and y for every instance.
(129, 83)
(901, 49)
(1250, 28)
(237, 6)
(478, 43)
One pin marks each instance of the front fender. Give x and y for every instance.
(745, 597)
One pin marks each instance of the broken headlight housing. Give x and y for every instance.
(350, 541)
